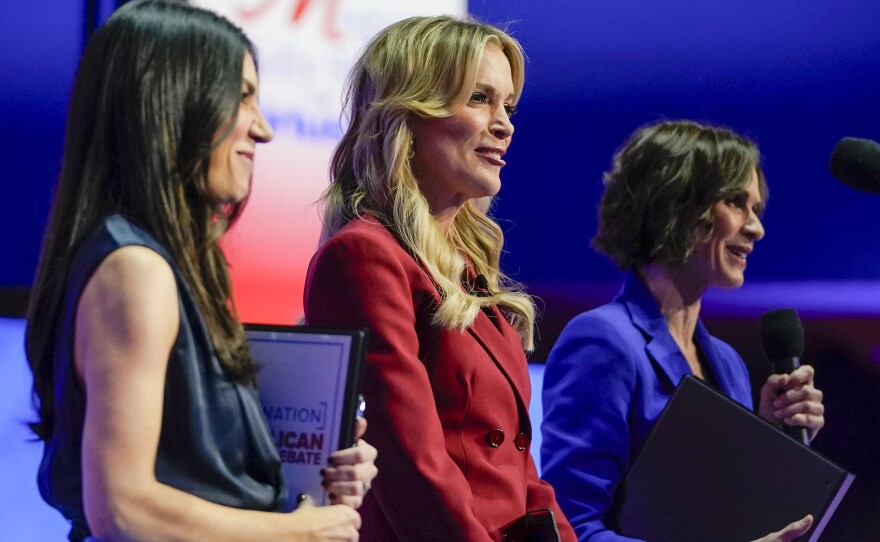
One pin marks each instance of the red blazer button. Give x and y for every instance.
(521, 441)
(495, 437)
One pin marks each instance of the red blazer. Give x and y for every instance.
(444, 407)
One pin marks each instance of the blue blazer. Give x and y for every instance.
(607, 379)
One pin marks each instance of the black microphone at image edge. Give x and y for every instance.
(856, 163)
(782, 336)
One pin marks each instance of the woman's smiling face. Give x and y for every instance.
(719, 259)
(460, 157)
(232, 162)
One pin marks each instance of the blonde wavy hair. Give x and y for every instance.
(425, 66)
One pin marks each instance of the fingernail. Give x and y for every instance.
(301, 497)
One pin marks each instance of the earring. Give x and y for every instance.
(412, 149)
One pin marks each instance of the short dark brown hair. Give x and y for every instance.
(662, 185)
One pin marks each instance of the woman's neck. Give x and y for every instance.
(445, 218)
(678, 295)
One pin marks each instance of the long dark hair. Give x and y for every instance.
(154, 85)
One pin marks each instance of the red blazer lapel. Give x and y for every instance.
(504, 346)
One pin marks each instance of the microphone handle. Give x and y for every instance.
(786, 366)
(797, 432)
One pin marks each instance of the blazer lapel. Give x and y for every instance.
(659, 344)
(503, 345)
(721, 370)
(661, 347)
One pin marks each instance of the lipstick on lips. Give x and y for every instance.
(492, 155)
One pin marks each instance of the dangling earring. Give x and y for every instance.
(412, 149)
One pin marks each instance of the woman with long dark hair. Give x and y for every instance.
(152, 427)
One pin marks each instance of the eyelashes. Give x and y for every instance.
(740, 201)
(480, 97)
(248, 90)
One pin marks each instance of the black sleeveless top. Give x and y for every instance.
(214, 442)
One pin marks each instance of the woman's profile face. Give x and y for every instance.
(232, 162)
(719, 259)
(460, 157)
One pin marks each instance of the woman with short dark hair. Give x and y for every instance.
(681, 213)
(665, 180)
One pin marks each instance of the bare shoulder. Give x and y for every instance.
(132, 278)
(129, 305)
(137, 263)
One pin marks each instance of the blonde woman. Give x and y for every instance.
(411, 254)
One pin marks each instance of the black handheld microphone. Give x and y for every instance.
(856, 163)
(783, 338)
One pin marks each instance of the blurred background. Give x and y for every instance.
(794, 76)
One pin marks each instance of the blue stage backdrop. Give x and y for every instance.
(796, 76)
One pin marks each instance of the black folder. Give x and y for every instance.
(711, 470)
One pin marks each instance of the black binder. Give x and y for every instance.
(713, 470)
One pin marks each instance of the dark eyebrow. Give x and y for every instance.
(758, 207)
(741, 198)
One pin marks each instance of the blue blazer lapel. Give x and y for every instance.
(662, 349)
(722, 371)
(659, 344)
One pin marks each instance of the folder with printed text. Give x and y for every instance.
(308, 382)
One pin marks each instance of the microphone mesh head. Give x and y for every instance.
(782, 334)
(856, 163)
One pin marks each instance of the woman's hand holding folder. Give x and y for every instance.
(351, 470)
(790, 532)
